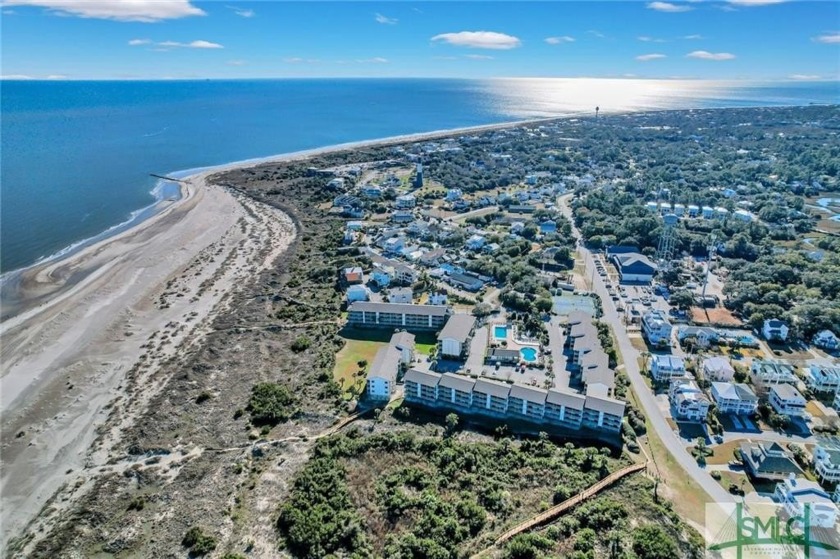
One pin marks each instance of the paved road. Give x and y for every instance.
(555, 346)
(646, 398)
(478, 345)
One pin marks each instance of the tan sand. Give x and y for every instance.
(64, 361)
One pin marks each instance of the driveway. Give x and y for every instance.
(631, 362)
(555, 347)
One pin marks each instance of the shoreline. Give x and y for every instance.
(10, 282)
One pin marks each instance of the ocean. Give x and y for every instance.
(76, 156)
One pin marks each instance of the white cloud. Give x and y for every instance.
(478, 57)
(596, 33)
(293, 60)
(828, 38)
(236, 63)
(204, 45)
(166, 45)
(647, 57)
(374, 60)
(479, 40)
(750, 3)
(56, 77)
(120, 10)
(242, 12)
(646, 39)
(445, 58)
(804, 77)
(706, 55)
(16, 77)
(385, 20)
(692, 37)
(669, 7)
(559, 40)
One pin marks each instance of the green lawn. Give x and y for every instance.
(363, 344)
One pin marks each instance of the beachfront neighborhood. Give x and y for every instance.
(527, 307)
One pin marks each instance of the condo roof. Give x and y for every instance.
(563, 398)
(458, 327)
(596, 402)
(385, 364)
(529, 393)
(426, 378)
(401, 308)
(402, 339)
(492, 387)
(456, 382)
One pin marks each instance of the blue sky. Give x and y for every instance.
(160, 39)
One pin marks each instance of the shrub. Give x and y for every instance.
(203, 397)
(270, 403)
(302, 343)
(198, 542)
(651, 542)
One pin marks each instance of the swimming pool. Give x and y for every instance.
(500, 332)
(528, 354)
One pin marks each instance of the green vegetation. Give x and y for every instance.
(270, 403)
(198, 542)
(401, 496)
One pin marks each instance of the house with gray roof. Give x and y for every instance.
(527, 400)
(600, 411)
(491, 395)
(732, 398)
(564, 408)
(768, 461)
(786, 400)
(421, 386)
(395, 315)
(456, 390)
(404, 342)
(768, 373)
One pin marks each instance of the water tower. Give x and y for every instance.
(665, 249)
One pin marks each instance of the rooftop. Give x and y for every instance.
(458, 327)
(402, 308)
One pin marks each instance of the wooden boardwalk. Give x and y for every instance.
(569, 503)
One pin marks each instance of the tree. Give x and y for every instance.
(451, 423)
(544, 304)
(682, 299)
(651, 542)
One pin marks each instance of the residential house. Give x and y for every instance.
(581, 337)
(393, 315)
(464, 281)
(718, 369)
(382, 275)
(769, 373)
(547, 227)
(688, 401)
(382, 376)
(421, 386)
(357, 293)
(634, 268)
(795, 494)
(476, 242)
(665, 368)
(372, 191)
(354, 275)
(823, 378)
(395, 245)
(768, 461)
(400, 295)
(656, 328)
(708, 212)
(721, 212)
(453, 194)
(679, 210)
(701, 335)
(826, 455)
(737, 399)
(517, 227)
(743, 215)
(774, 330)
(527, 401)
(402, 216)
(786, 400)
(491, 248)
(433, 257)
(405, 275)
(456, 334)
(406, 201)
(693, 211)
(652, 206)
(522, 208)
(827, 340)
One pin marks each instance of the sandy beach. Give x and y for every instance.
(93, 328)
(135, 298)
